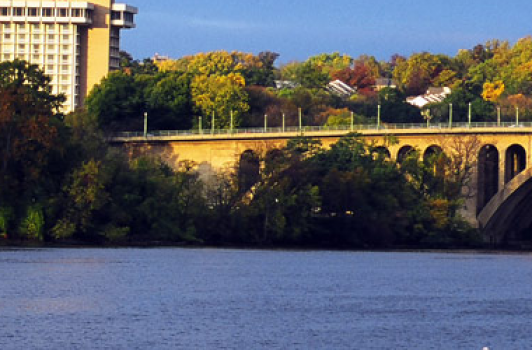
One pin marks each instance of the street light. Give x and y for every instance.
(145, 124)
(469, 116)
(200, 126)
(300, 120)
(231, 127)
(378, 116)
(450, 115)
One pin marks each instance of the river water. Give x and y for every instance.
(233, 299)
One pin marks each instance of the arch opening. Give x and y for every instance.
(488, 175)
(515, 162)
(382, 151)
(434, 156)
(403, 153)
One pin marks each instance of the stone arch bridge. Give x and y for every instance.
(501, 185)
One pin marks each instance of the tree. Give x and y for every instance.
(28, 126)
(221, 95)
(117, 102)
(417, 73)
(493, 91)
(168, 102)
(360, 76)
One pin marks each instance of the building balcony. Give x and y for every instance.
(123, 16)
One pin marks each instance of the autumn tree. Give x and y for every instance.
(221, 95)
(28, 123)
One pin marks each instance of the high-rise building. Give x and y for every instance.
(75, 42)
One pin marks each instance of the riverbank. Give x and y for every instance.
(522, 250)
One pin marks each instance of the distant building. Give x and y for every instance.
(433, 95)
(158, 58)
(341, 89)
(381, 83)
(285, 84)
(75, 42)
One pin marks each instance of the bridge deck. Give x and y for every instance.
(324, 132)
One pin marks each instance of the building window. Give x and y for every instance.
(47, 12)
(36, 37)
(22, 37)
(116, 15)
(66, 37)
(33, 12)
(76, 13)
(19, 11)
(36, 57)
(51, 37)
(51, 47)
(7, 36)
(62, 13)
(5, 11)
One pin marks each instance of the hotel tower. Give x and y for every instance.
(76, 43)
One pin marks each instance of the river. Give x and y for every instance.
(245, 299)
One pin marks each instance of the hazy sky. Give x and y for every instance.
(298, 29)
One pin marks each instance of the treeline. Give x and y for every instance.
(61, 182)
(175, 93)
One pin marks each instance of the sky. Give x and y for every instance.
(298, 29)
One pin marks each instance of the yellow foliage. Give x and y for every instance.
(492, 91)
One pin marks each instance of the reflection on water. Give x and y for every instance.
(230, 299)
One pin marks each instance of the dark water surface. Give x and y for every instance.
(231, 299)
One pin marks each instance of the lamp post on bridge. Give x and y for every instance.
(265, 123)
(283, 122)
(212, 123)
(300, 120)
(145, 124)
(200, 126)
(352, 120)
(450, 115)
(378, 117)
(231, 126)
(516, 116)
(469, 116)
(498, 116)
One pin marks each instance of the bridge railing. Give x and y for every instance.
(296, 129)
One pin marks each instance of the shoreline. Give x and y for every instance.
(4, 246)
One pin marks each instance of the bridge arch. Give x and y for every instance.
(382, 151)
(433, 155)
(404, 152)
(515, 162)
(508, 212)
(432, 151)
(488, 175)
(248, 170)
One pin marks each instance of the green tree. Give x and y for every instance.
(118, 103)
